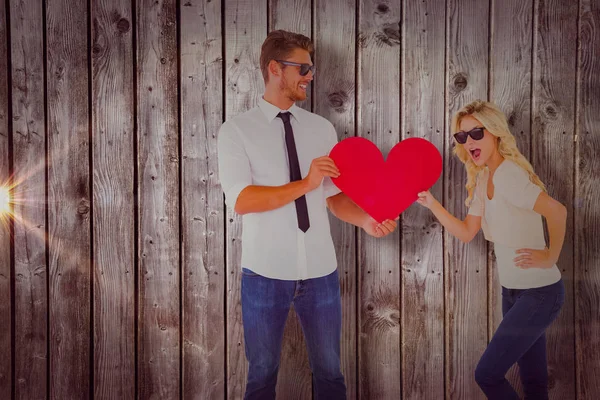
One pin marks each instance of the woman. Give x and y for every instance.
(507, 199)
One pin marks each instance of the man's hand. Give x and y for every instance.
(378, 230)
(320, 168)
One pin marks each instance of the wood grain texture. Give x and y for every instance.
(294, 380)
(542, 72)
(158, 175)
(245, 31)
(294, 16)
(422, 235)
(113, 188)
(68, 198)
(553, 109)
(334, 99)
(586, 207)
(466, 266)
(5, 242)
(510, 88)
(203, 225)
(29, 158)
(378, 259)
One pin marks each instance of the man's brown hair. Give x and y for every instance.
(279, 45)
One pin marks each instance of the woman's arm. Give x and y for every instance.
(556, 217)
(463, 230)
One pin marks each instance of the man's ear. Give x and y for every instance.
(274, 68)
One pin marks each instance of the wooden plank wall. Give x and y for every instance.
(113, 177)
(6, 300)
(119, 269)
(294, 15)
(510, 87)
(29, 154)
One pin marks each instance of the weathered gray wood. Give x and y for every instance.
(68, 198)
(466, 265)
(422, 239)
(203, 226)
(409, 303)
(114, 222)
(29, 154)
(158, 175)
(553, 109)
(379, 259)
(245, 30)
(334, 99)
(294, 16)
(510, 88)
(586, 207)
(294, 381)
(5, 273)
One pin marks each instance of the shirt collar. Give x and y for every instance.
(271, 110)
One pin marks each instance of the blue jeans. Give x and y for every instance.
(521, 338)
(265, 306)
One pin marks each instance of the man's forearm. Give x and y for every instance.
(345, 209)
(255, 198)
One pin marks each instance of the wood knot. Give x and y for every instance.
(383, 313)
(382, 9)
(460, 82)
(390, 35)
(338, 100)
(59, 72)
(123, 25)
(83, 207)
(551, 112)
(362, 41)
(511, 119)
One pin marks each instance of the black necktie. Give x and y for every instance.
(295, 175)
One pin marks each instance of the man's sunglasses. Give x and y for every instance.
(475, 133)
(304, 68)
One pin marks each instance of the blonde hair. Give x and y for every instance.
(494, 121)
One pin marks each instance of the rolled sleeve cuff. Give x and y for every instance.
(329, 188)
(232, 194)
(332, 191)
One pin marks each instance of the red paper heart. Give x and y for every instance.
(384, 189)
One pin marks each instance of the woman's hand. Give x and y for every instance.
(530, 258)
(426, 199)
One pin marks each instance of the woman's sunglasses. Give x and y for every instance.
(304, 68)
(475, 133)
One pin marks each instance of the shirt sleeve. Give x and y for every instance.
(329, 188)
(512, 183)
(234, 166)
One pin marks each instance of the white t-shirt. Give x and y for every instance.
(252, 151)
(511, 224)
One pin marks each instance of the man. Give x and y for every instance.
(275, 172)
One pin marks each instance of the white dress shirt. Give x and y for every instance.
(512, 224)
(252, 151)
